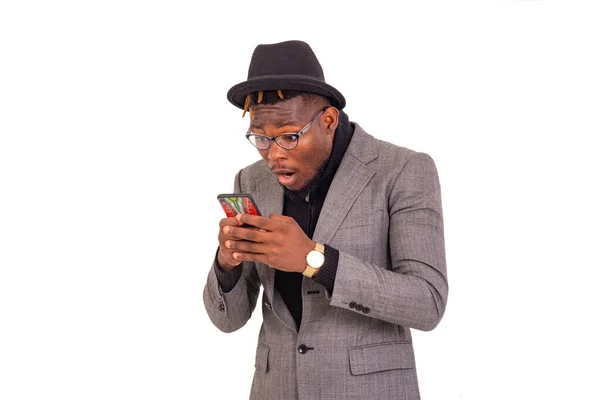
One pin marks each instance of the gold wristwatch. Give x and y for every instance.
(314, 260)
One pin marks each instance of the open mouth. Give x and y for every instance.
(286, 178)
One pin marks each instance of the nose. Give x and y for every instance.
(275, 152)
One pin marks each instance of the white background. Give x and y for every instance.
(116, 137)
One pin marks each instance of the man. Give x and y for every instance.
(349, 250)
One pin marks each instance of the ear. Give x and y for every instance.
(332, 116)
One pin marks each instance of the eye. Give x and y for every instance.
(288, 139)
(261, 140)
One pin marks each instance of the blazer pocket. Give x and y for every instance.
(262, 358)
(381, 357)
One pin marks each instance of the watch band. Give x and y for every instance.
(319, 247)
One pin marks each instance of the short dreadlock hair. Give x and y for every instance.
(276, 96)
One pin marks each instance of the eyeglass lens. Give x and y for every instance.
(287, 142)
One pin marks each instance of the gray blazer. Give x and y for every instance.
(383, 213)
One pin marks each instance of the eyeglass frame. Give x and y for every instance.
(274, 138)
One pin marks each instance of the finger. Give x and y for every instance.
(281, 218)
(229, 221)
(256, 257)
(223, 236)
(252, 235)
(245, 246)
(225, 257)
(254, 220)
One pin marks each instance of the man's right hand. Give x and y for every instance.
(225, 256)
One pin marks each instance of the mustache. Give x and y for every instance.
(279, 169)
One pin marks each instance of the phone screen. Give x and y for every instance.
(234, 204)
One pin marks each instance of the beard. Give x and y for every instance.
(311, 185)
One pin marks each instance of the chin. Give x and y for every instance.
(295, 188)
(298, 187)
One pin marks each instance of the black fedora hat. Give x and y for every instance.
(290, 65)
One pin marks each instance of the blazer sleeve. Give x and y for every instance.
(229, 311)
(413, 293)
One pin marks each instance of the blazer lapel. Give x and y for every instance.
(352, 176)
(270, 201)
(270, 195)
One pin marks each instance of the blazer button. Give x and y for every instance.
(302, 349)
(221, 307)
(366, 310)
(268, 305)
(352, 304)
(359, 307)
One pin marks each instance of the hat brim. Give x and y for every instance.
(237, 94)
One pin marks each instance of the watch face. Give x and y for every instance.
(315, 259)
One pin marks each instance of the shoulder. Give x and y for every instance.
(249, 175)
(256, 169)
(388, 156)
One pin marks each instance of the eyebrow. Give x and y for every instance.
(279, 125)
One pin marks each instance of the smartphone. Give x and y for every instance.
(237, 203)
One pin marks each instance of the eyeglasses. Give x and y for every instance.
(287, 141)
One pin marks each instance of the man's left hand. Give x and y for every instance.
(278, 242)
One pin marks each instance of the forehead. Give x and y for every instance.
(284, 113)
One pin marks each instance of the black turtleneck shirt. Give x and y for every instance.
(305, 208)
